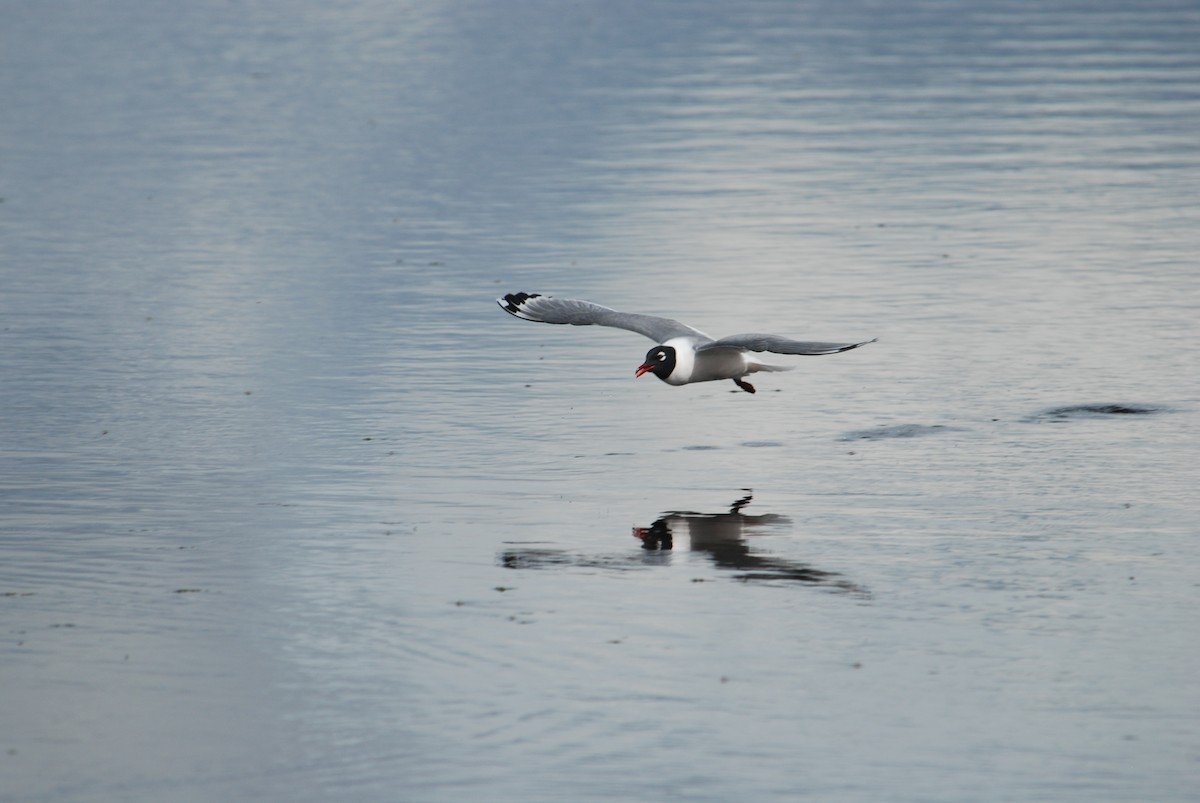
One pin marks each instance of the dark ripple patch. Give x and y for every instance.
(560, 558)
(761, 444)
(1073, 411)
(897, 431)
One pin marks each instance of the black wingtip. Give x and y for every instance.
(856, 345)
(512, 302)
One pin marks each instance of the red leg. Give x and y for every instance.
(746, 386)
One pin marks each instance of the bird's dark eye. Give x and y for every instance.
(661, 356)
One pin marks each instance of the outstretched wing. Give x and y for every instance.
(779, 345)
(547, 309)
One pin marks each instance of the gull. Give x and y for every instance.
(684, 354)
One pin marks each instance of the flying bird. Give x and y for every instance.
(683, 354)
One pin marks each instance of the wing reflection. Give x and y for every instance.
(723, 537)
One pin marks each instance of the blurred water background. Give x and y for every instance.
(289, 510)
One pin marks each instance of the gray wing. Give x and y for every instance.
(546, 309)
(779, 345)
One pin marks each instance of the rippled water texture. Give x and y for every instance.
(290, 510)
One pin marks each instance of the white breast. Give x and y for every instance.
(685, 360)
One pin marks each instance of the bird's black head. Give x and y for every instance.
(660, 361)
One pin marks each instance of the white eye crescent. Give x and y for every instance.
(661, 357)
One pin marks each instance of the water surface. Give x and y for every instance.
(290, 510)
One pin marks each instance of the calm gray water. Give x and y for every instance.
(289, 510)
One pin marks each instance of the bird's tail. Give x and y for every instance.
(755, 366)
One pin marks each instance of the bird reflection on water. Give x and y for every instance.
(723, 537)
